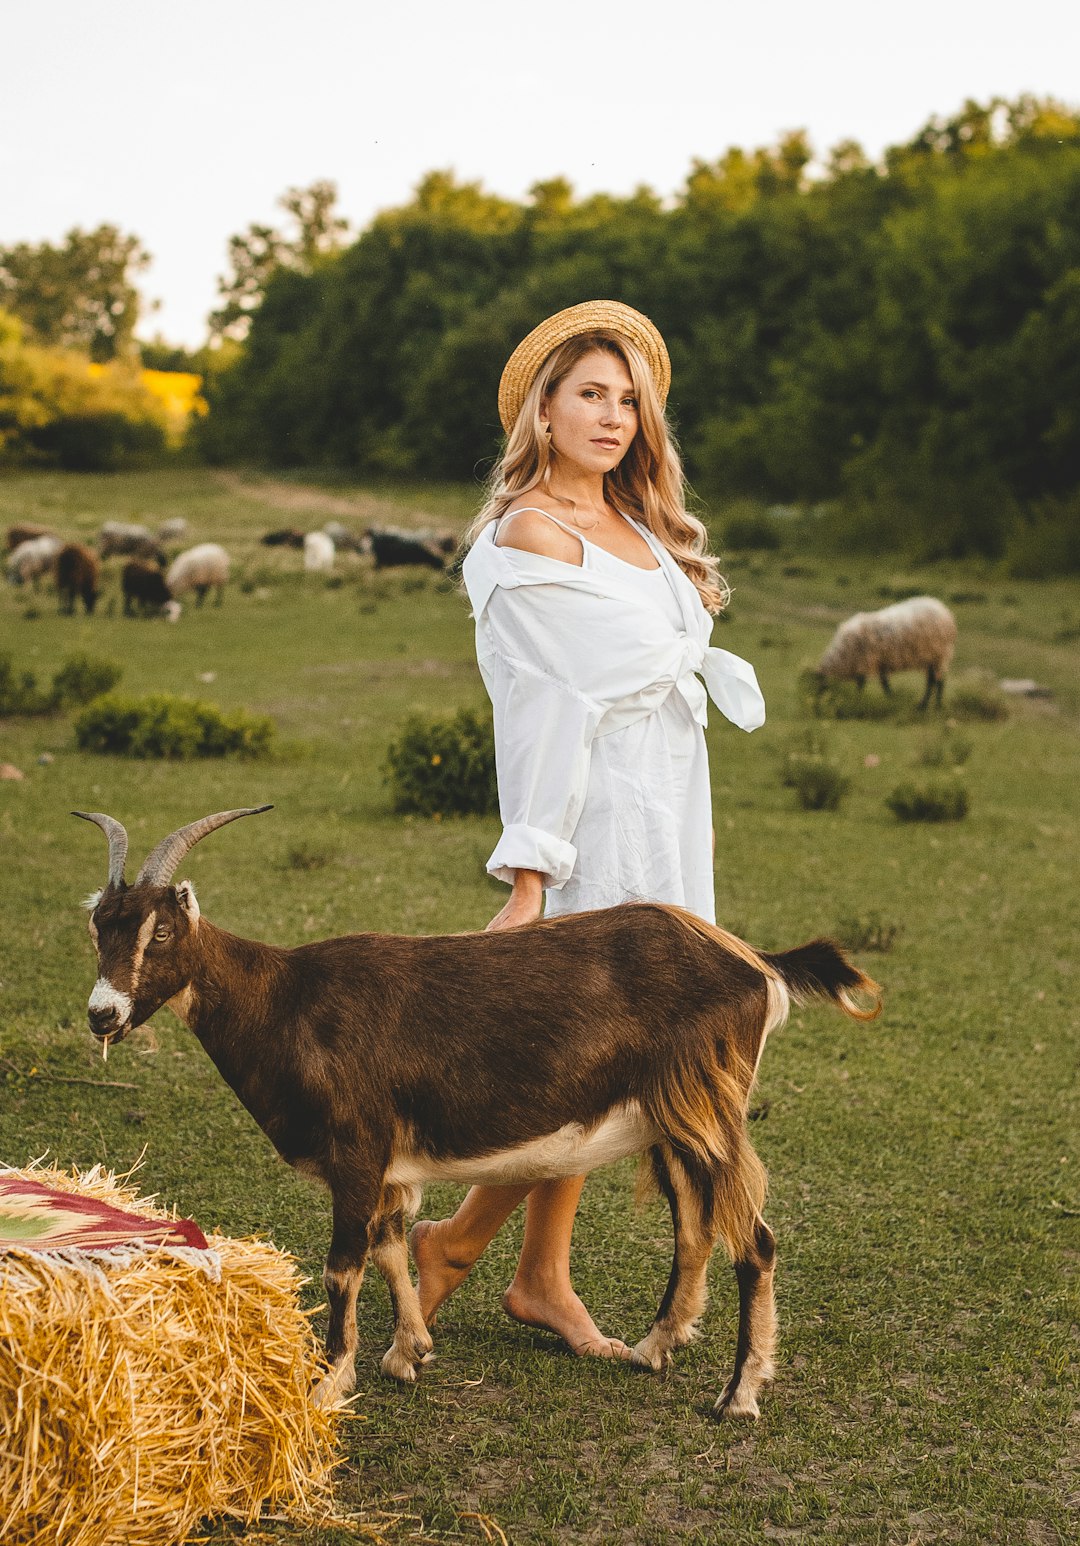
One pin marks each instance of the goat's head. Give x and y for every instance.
(144, 934)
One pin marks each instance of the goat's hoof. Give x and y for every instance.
(733, 1404)
(395, 1366)
(335, 1387)
(645, 1357)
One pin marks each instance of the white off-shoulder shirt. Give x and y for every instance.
(599, 722)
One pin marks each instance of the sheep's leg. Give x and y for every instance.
(931, 682)
(695, 1236)
(412, 1341)
(757, 1327)
(940, 688)
(342, 1277)
(883, 678)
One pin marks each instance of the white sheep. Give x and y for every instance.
(198, 569)
(318, 553)
(125, 538)
(173, 530)
(32, 559)
(918, 634)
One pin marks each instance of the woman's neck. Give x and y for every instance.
(582, 490)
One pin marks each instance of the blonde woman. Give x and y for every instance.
(593, 597)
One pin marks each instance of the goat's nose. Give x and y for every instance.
(102, 1020)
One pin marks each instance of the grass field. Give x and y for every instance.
(923, 1176)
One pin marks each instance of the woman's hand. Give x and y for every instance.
(525, 904)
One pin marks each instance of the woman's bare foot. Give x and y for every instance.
(437, 1273)
(561, 1311)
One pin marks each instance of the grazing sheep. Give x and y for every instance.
(344, 539)
(143, 586)
(918, 634)
(32, 559)
(77, 571)
(199, 569)
(174, 530)
(128, 540)
(391, 548)
(318, 553)
(283, 537)
(25, 531)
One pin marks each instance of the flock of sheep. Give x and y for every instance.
(916, 634)
(150, 585)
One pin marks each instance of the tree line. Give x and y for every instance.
(897, 341)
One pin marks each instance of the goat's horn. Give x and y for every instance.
(159, 866)
(118, 843)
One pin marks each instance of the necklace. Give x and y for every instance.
(578, 524)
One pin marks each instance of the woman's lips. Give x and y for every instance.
(608, 445)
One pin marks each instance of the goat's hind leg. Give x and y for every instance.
(688, 1194)
(412, 1343)
(757, 1326)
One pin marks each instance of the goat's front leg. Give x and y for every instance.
(342, 1277)
(757, 1327)
(412, 1343)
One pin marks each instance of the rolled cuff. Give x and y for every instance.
(529, 848)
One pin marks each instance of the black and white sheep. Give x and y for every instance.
(391, 548)
(918, 634)
(143, 587)
(200, 569)
(121, 537)
(33, 559)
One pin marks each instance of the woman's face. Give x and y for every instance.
(593, 413)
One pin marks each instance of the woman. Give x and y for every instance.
(593, 598)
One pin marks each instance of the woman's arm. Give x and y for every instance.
(525, 904)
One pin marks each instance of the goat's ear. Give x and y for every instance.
(92, 900)
(185, 895)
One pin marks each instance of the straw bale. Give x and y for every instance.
(138, 1399)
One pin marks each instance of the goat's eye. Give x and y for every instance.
(161, 933)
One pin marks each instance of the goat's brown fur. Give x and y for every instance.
(361, 1054)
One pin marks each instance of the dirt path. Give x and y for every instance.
(302, 499)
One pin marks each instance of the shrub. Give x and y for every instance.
(928, 802)
(444, 766)
(749, 528)
(846, 700)
(80, 678)
(977, 696)
(818, 783)
(83, 677)
(945, 750)
(868, 931)
(19, 692)
(160, 725)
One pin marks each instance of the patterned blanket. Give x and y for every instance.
(34, 1217)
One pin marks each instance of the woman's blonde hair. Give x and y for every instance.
(648, 483)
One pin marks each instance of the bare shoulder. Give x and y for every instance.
(530, 530)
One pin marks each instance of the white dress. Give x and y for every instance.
(599, 722)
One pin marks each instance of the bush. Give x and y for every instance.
(164, 726)
(19, 690)
(846, 700)
(749, 528)
(82, 678)
(928, 802)
(818, 783)
(444, 766)
(946, 750)
(79, 679)
(977, 696)
(868, 931)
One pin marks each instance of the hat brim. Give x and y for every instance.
(587, 317)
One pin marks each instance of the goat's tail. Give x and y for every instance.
(821, 970)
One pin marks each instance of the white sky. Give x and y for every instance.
(183, 122)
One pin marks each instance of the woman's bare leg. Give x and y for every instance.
(541, 1293)
(445, 1251)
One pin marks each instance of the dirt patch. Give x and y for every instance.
(302, 499)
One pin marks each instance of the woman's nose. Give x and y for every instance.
(612, 413)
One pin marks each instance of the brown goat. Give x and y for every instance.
(77, 570)
(377, 1063)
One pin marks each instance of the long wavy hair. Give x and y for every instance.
(648, 483)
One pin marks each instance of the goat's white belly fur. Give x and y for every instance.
(571, 1151)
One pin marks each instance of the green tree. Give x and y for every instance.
(80, 295)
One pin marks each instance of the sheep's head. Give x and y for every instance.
(144, 934)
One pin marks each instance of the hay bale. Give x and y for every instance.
(138, 1398)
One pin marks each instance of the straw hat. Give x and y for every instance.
(589, 316)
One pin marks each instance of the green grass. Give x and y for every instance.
(923, 1183)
